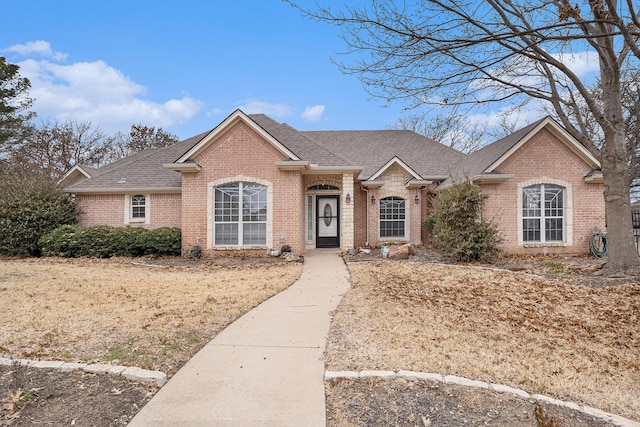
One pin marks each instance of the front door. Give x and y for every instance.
(327, 222)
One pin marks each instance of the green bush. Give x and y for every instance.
(102, 241)
(457, 226)
(30, 208)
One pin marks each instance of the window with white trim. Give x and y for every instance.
(543, 213)
(392, 217)
(240, 214)
(138, 207)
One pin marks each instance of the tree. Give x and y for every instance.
(31, 206)
(52, 149)
(140, 137)
(14, 103)
(455, 130)
(473, 52)
(458, 227)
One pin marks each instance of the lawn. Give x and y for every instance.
(126, 311)
(570, 341)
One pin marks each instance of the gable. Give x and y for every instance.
(562, 136)
(236, 117)
(545, 154)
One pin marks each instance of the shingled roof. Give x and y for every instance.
(142, 171)
(368, 151)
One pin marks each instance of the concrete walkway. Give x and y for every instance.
(265, 369)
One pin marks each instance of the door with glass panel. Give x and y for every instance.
(327, 222)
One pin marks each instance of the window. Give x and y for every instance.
(543, 213)
(240, 214)
(138, 207)
(392, 217)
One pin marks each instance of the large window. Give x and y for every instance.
(240, 214)
(138, 207)
(543, 213)
(392, 217)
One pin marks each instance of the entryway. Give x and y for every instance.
(327, 221)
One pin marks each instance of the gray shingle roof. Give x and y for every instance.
(369, 150)
(140, 171)
(373, 149)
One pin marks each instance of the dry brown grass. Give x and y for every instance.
(572, 342)
(119, 312)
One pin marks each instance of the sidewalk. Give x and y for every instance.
(265, 369)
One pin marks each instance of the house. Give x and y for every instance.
(255, 183)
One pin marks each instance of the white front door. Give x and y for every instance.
(327, 222)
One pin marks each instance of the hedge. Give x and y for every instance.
(101, 241)
(30, 208)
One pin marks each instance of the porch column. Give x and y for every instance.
(347, 231)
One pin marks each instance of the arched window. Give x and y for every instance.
(240, 214)
(543, 213)
(320, 187)
(138, 207)
(392, 217)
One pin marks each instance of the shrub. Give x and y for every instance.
(458, 229)
(102, 241)
(30, 208)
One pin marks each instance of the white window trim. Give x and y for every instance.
(128, 214)
(568, 212)
(407, 216)
(211, 186)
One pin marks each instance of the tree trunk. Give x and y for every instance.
(622, 255)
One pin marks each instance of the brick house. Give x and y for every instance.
(254, 183)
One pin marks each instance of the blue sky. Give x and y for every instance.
(184, 66)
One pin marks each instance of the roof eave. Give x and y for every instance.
(374, 183)
(334, 169)
(114, 190)
(414, 183)
(292, 165)
(189, 167)
(492, 178)
(594, 177)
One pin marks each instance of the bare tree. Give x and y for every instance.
(473, 52)
(456, 130)
(140, 137)
(53, 149)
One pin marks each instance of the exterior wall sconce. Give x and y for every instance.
(373, 200)
(348, 198)
(416, 199)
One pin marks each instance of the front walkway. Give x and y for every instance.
(265, 369)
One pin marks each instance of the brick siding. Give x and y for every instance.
(240, 154)
(545, 159)
(108, 209)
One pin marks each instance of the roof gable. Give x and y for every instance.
(235, 117)
(502, 149)
(395, 161)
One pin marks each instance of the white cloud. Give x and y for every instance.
(38, 47)
(313, 114)
(99, 93)
(254, 106)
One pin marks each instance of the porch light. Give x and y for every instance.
(373, 200)
(416, 199)
(348, 198)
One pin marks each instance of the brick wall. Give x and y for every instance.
(101, 209)
(240, 154)
(394, 179)
(544, 159)
(109, 209)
